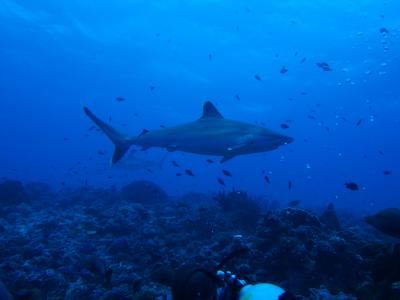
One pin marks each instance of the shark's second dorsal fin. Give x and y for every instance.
(210, 112)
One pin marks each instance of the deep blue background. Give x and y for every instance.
(57, 56)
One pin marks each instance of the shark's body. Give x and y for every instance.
(212, 134)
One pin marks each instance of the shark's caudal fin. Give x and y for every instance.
(121, 142)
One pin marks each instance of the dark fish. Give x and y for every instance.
(257, 77)
(381, 152)
(276, 55)
(158, 34)
(384, 30)
(387, 172)
(175, 164)
(62, 183)
(120, 99)
(283, 70)
(296, 53)
(294, 203)
(237, 97)
(386, 221)
(324, 66)
(149, 170)
(66, 139)
(221, 182)
(189, 172)
(109, 177)
(304, 93)
(303, 60)
(123, 124)
(227, 173)
(284, 126)
(100, 153)
(109, 119)
(359, 122)
(352, 186)
(152, 88)
(327, 128)
(266, 178)
(178, 174)
(311, 117)
(289, 185)
(210, 161)
(162, 126)
(210, 57)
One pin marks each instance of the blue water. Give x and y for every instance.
(57, 56)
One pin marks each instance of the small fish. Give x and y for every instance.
(237, 97)
(283, 70)
(66, 139)
(158, 34)
(162, 126)
(257, 77)
(359, 122)
(189, 172)
(266, 178)
(294, 203)
(178, 174)
(149, 170)
(152, 88)
(387, 172)
(289, 185)
(210, 161)
(175, 164)
(384, 30)
(120, 99)
(304, 93)
(276, 55)
(311, 117)
(381, 152)
(324, 66)
(109, 119)
(284, 126)
(303, 60)
(210, 57)
(227, 173)
(100, 152)
(221, 182)
(352, 186)
(296, 53)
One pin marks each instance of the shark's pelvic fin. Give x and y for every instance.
(227, 157)
(121, 142)
(209, 111)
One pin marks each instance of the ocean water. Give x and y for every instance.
(58, 57)
(166, 58)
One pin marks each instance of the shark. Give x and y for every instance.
(211, 134)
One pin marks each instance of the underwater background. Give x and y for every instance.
(325, 73)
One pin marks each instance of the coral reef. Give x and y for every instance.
(110, 244)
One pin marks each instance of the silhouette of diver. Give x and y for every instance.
(216, 284)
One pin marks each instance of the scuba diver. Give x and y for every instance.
(216, 284)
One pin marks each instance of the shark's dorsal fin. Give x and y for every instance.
(210, 112)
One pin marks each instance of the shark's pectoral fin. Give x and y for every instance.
(227, 157)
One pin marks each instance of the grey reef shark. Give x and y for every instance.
(211, 134)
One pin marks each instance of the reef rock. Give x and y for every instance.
(144, 192)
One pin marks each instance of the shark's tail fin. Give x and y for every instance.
(121, 142)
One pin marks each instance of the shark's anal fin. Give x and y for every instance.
(171, 148)
(121, 142)
(226, 158)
